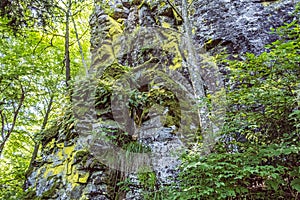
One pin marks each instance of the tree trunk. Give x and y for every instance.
(67, 45)
(193, 63)
(37, 143)
(16, 113)
(80, 48)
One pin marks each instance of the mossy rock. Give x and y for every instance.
(51, 192)
(31, 195)
(49, 134)
(81, 156)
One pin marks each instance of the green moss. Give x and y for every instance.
(114, 72)
(50, 145)
(141, 4)
(84, 197)
(166, 99)
(69, 167)
(136, 2)
(105, 55)
(60, 155)
(177, 63)
(49, 134)
(74, 177)
(51, 192)
(81, 153)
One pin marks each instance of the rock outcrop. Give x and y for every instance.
(134, 114)
(239, 26)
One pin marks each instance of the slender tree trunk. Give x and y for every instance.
(3, 119)
(16, 113)
(193, 63)
(37, 143)
(80, 48)
(67, 44)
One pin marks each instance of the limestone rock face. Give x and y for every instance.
(142, 109)
(240, 26)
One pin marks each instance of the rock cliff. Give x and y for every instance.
(135, 112)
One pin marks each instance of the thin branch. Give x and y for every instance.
(190, 4)
(56, 35)
(80, 48)
(7, 85)
(39, 42)
(174, 8)
(3, 124)
(63, 3)
(16, 113)
(5, 120)
(45, 121)
(83, 34)
(37, 142)
(30, 136)
(60, 8)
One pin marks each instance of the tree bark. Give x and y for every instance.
(80, 48)
(16, 113)
(193, 63)
(37, 143)
(67, 45)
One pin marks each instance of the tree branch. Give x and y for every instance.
(16, 113)
(37, 143)
(80, 47)
(174, 8)
(2, 124)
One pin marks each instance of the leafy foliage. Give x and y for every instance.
(258, 155)
(32, 93)
(265, 89)
(25, 96)
(26, 13)
(258, 172)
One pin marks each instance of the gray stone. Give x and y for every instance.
(238, 26)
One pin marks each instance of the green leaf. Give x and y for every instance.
(296, 184)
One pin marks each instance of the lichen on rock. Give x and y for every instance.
(143, 97)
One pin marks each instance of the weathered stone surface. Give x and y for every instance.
(130, 33)
(165, 147)
(240, 26)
